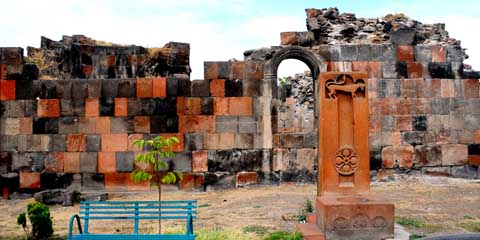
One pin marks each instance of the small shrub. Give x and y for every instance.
(282, 235)
(39, 215)
(470, 225)
(410, 222)
(307, 208)
(22, 220)
(259, 230)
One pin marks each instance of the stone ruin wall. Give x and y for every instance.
(71, 122)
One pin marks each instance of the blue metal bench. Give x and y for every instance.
(136, 211)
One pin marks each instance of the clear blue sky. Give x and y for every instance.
(216, 29)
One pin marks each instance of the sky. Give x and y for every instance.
(217, 30)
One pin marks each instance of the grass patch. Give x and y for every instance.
(416, 236)
(470, 225)
(204, 205)
(417, 223)
(221, 235)
(257, 206)
(259, 230)
(282, 235)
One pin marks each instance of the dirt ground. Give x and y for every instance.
(439, 202)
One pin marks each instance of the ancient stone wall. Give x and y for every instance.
(71, 109)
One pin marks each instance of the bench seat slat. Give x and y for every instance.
(92, 212)
(140, 207)
(133, 217)
(134, 236)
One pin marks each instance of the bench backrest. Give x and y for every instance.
(138, 210)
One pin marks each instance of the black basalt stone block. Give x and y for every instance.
(59, 143)
(107, 107)
(94, 88)
(473, 149)
(45, 125)
(200, 88)
(375, 158)
(207, 106)
(172, 86)
(440, 70)
(64, 89)
(148, 106)
(93, 143)
(24, 89)
(224, 69)
(233, 88)
(414, 138)
(126, 88)
(30, 72)
(165, 106)
(134, 107)
(402, 69)
(419, 123)
(124, 161)
(184, 87)
(55, 180)
(164, 124)
(110, 88)
(79, 89)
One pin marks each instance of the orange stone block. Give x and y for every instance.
(71, 162)
(471, 88)
(221, 106)
(131, 139)
(415, 70)
(474, 160)
(405, 53)
(102, 125)
(26, 125)
(76, 143)
(217, 87)
(91, 107)
(188, 182)
(373, 69)
(106, 162)
(141, 124)
(144, 88)
(180, 105)
(178, 147)
(288, 38)
(114, 142)
(116, 181)
(121, 107)
(29, 180)
(7, 90)
(439, 54)
(3, 72)
(243, 179)
(141, 186)
(240, 106)
(238, 69)
(219, 140)
(159, 87)
(196, 123)
(48, 108)
(200, 161)
(447, 88)
(193, 106)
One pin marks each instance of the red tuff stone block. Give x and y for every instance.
(447, 88)
(48, 108)
(87, 70)
(254, 70)
(188, 182)
(241, 106)
(474, 160)
(180, 105)
(477, 136)
(91, 107)
(159, 87)
(288, 38)
(388, 157)
(76, 143)
(454, 154)
(196, 123)
(200, 161)
(439, 54)
(415, 70)
(217, 87)
(3, 72)
(246, 178)
(238, 69)
(86, 124)
(121, 106)
(211, 71)
(373, 69)
(29, 180)
(219, 140)
(193, 106)
(26, 125)
(179, 147)
(114, 142)
(144, 88)
(141, 186)
(401, 156)
(102, 125)
(471, 88)
(312, 12)
(111, 60)
(7, 90)
(116, 181)
(404, 123)
(106, 162)
(405, 53)
(141, 124)
(71, 162)
(221, 106)
(131, 139)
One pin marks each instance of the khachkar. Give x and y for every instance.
(345, 208)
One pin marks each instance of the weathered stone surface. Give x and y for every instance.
(243, 179)
(193, 141)
(88, 162)
(454, 154)
(124, 161)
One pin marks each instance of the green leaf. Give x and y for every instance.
(163, 165)
(179, 174)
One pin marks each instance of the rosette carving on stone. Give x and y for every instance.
(346, 160)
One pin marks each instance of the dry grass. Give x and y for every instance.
(439, 203)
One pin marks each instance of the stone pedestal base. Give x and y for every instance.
(355, 217)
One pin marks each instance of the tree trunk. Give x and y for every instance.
(159, 204)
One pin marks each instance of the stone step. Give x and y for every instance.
(310, 231)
